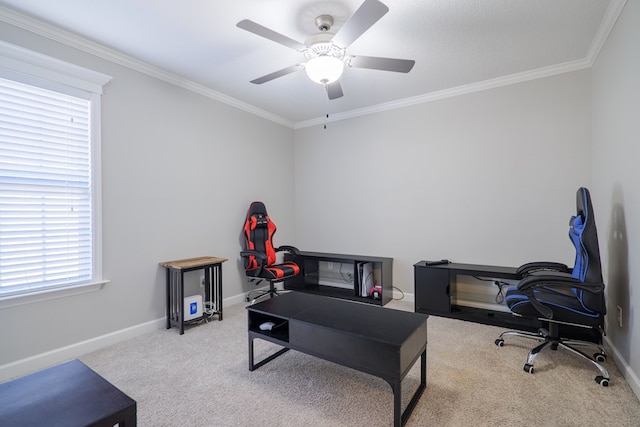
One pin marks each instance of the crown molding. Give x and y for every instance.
(606, 25)
(54, 33)
(450, 93)
(75, 41)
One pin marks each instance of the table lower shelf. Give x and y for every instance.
(333, 292)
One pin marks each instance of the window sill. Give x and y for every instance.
(45, 295)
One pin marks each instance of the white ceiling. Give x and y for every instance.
(456, 44)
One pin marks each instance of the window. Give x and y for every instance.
(49, 174)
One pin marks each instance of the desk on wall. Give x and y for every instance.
(212, 267)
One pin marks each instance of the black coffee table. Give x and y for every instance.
(375, 340)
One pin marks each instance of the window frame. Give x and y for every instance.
(33, 68)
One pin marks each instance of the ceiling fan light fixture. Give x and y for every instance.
(324, 69)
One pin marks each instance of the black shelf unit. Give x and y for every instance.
(311, 280)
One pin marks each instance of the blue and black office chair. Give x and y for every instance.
(568, 299)
(260, 255)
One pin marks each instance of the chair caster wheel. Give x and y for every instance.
(600, 357)
(604, 382)
(500, 342)
(528, 368)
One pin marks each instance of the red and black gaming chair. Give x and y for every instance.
(259, 254)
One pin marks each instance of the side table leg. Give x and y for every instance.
(208, 288)
(168, 298)
(181, 301)
(219, 291)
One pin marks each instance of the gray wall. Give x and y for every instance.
(488, 178)
(179, 171)
(616, 177)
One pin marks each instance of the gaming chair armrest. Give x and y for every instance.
(288, 248)
(560, 281)
(552, 281)
(548, 280)
(260, 257)
(532, 267)
(528, 285)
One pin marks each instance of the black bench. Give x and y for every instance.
(66, 395)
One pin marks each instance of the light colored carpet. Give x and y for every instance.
(202, 379)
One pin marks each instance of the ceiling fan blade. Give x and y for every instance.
(367, 14)
(276, 74)
(386, 64)
(334, 90)
(267, 33)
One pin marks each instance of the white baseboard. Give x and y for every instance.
(50, 358)
(59, 355)
(625, 369)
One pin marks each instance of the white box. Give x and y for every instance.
(192, 307)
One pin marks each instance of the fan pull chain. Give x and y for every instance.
(326, 105)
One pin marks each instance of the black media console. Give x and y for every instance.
(435, 292)
(340, 276)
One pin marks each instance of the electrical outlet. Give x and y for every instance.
(619, 316)
(202, 281)
(330, 265)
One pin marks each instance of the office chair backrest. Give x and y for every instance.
(258, 234)
(584, 236)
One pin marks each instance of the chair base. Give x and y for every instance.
(550, 338)
(271, 293)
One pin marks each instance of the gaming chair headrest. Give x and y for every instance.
(583, 203)
(257, 216)
(589, 236)
(256, 208)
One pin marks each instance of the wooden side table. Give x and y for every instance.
(212, 267)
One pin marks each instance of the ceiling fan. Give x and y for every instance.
(326, 52)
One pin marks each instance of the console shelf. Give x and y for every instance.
(435, 294)
(339, 276)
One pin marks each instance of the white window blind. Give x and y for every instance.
(45, 189)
